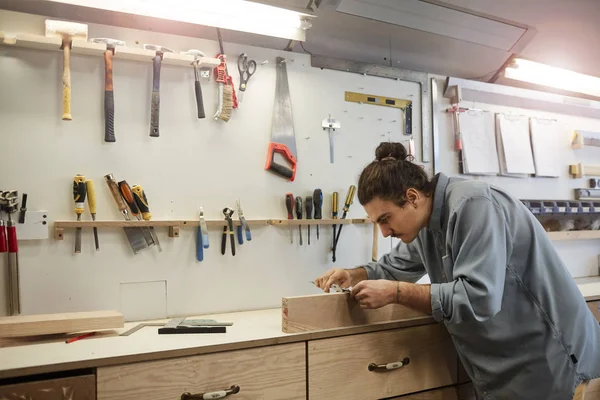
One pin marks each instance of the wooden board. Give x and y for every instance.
(441, 394)
(336, 310)
(72, 388)
(47, 324)
(266, 373)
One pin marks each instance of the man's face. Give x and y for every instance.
(403, 223)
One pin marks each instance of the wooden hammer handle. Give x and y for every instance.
(66, 81)
(109, 101)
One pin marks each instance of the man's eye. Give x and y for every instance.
(383, 221)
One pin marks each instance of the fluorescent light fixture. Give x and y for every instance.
(442, 19)
(545, 75)
(236, 15)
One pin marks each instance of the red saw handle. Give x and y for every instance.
(281, 170)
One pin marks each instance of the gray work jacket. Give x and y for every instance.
(519, 323)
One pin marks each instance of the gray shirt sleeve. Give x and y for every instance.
(479, 245)
(403, 263)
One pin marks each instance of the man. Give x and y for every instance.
(519, 323)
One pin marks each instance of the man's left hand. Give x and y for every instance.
(375, 293)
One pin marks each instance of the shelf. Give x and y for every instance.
(580, 170)
(81, 46)
(174, 225)
(574, 235)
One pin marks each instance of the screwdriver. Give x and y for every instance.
(299, 215)
(127, 194)
(79, 198)
(91, 198)
(142, 202)
(309, 211)
(289, 204)
(334, 213)
(318, 203)
(347, 204)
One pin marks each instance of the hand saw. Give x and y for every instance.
(283, 140)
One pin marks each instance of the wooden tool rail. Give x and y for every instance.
(81, 46)
(174, 225)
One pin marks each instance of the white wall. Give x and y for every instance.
(200, 163)
(194, 163)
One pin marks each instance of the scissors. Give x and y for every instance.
(247, 68)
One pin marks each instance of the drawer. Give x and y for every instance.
(71, 388)
(432, 363)
(266, 373)
(439, 394)
(594, 306)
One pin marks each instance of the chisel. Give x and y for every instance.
(347, 204)
(318, 203)
(142, 203)
(334, 213)
(134, 235)
(125, 190)
(299, 215)
(309, 213)
(289, 205)
(202, 237)
(91, 198)
(79, 193)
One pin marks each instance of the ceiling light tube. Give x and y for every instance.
(545, 75)
(236, 15)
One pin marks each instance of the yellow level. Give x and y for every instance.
(377, 100)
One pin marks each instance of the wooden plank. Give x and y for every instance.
(336, 310)
(266, 373)
(71, 388)
(46, 324)
(429, 350)
(449, 393)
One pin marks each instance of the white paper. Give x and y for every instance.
(477, 131)
(516, 156)
(548, 142)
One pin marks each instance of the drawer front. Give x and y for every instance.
(72, 388)
(439, 394)
(266, 373)
(432, 363)
(594, 306)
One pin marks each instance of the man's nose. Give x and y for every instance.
(385, 230)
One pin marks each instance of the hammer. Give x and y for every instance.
(109, 99)
(67, 31)
(155, 105)
(199, 101)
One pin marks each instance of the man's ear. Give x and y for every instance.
(412, 196)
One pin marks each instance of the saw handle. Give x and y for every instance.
(155, 105)
(109, 99)
(281, 170)
(66, 81)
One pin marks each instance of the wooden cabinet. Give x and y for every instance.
(266, 373)
(72, 388)
(594, 307)
(381, 364)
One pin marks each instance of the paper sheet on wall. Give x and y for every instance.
(514, 145)
(480, 155)
(548, 142)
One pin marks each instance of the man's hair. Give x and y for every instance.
(391, 175)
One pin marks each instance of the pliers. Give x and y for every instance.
(243, 226)
(228, 228)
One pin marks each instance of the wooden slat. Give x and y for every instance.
(440, 394)
(47, 324)
(336, 310)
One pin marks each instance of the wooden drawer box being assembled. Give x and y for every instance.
(381, 364)
(266, 373)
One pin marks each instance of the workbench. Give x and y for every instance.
(255, 355)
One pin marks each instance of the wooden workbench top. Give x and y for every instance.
(250, 329)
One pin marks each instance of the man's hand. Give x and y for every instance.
(336, 276)
(375, 293)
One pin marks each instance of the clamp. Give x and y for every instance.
(243, 226)
(228, 228)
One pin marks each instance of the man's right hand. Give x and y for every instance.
(342, 277)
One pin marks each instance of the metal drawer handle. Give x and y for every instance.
(389, 366)
(211, 395)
